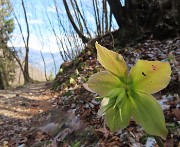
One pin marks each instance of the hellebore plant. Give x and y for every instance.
(128, 95)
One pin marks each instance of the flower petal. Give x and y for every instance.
(118, 117)
(149, 76)
(147, 112)
(103, 83)
(111, 61)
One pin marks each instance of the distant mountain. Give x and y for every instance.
(35, 59)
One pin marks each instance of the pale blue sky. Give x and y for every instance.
(41, 33)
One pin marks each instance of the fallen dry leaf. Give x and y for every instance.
(176, 113)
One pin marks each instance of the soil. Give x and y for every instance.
(22, 110)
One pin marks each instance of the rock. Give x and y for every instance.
(51, 129)
(150, 142)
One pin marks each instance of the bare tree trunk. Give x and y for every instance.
(97, 17)
(77, 17)
(103, 18)
(25, 71)
(117, 11)
(26, 65)
(59, 41)
(106, 15)
(83, 19)
(110, 20)
(84, 38)
(3, 73)
(44, 66)
(2, 84)
(53, 62)
(67, 52)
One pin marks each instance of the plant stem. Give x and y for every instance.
(158, 141)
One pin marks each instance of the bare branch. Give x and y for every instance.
(84, 38)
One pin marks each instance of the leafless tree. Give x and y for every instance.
(81, 35)
(26, 43)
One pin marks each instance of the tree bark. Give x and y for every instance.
(81, 35)
(106, 16)
(117, 11)
(26, 65)
(97, 17)
(126, 18)
(77, 17)
(83, 19)
(44, 66)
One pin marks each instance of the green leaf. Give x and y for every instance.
(114, 100)
(112, 61)
(149, 76)
(147, 112)
(106, 103)
(103, 83)
(118, 117)
(121, 97)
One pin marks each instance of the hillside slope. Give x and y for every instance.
(85, 105)
(34, 115)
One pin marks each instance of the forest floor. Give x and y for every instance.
(22, 110)
(63, 113)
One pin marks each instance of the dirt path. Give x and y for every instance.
(30, 116)
(22, 109)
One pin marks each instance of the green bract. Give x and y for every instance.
(127, 96)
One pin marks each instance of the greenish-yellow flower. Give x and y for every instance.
(128, 95)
